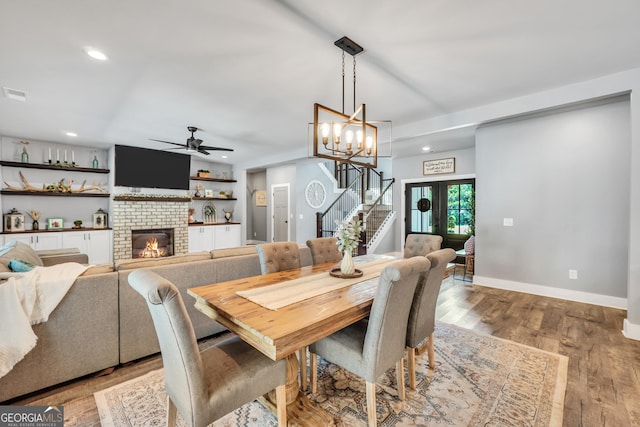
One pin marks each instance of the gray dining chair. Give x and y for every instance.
(324, 249)
(371, 346)
(278, 256)
(204, 386)
(422, 317)
(421, 244)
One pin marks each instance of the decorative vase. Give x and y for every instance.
(347, 265)
(35, 225)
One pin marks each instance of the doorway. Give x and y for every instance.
(445, 208)
(280, 213)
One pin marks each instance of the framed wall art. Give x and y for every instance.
(432, 167)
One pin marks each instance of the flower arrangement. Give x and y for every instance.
(348, 234)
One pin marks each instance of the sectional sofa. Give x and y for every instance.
(102, 322)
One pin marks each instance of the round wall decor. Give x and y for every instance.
(315, 194)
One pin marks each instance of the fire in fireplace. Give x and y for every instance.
(155, 243)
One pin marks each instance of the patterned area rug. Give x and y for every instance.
(478, 380)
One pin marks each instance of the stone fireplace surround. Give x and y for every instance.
(141, 212)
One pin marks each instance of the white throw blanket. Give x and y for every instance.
(27, 299)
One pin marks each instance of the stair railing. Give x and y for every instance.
(376, 213)
(341, 208)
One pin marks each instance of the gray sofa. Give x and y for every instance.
(102, 322)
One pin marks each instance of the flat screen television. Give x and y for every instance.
(142, 167)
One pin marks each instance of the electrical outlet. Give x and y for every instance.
(573, 274)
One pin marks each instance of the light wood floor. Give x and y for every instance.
(603, 385)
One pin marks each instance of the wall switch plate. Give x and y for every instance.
(507, 222)
(573, 274)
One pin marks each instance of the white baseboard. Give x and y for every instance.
(547, 291)
(631, 330)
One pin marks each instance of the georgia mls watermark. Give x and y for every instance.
(31, 416)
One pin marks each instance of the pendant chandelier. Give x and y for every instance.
(342, 137)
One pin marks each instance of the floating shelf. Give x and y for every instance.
(51, 193)
(214, 198)
(151, 199)
(51, 167)
(198, 178)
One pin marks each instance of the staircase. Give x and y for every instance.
(367, 196)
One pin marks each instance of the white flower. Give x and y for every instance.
(348, 234)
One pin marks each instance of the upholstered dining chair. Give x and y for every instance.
(421, 244)
(324, 249)
(423, 311)
(370, 347)
(204, 386)
(278, 256)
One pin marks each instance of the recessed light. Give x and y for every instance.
(96, 54)
(73, 134)
(426, 148)
(224, 157)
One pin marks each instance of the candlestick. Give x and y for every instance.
(65, 156)
(73, 158)
(57, 155)
(49, 154)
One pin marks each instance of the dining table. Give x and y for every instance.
(283, 312)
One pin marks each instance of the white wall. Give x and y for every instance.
(564, 179)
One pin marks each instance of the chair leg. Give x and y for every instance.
(302, 354)
(371, 403)
(431, 352)
(281, 405)
(400, 378)
(172, 413)
(313, 368)
(411, 367)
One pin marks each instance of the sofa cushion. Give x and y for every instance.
(17, 250)
(130, 264)
(98, 269)
(225, 253)
(20, 266)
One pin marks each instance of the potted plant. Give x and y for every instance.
(77, 223)
(348, 235)
(204, 173)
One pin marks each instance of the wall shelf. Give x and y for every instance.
(214, 198)
(198, 178)
(51, 167)
(51, 193)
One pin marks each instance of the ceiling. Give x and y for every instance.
(247, 72)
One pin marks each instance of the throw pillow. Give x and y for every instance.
(20, 266)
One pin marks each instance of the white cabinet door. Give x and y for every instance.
(38, 241)
(96, 244)
(201, 238)
(227, 236)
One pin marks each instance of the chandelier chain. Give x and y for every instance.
(343, 81)
(354, 83)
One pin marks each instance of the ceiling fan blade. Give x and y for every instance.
(206, 147)
(167, 142)
(201, 151)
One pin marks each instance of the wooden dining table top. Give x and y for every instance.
(279, 333)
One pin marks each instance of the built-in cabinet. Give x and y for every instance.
(95, 243)
(38, 241)
(207, 237)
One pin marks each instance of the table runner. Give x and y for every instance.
(282, 294)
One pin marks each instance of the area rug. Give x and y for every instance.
(479, 380)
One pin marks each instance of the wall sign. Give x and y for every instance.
(432, 167)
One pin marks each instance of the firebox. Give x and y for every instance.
(153, 243)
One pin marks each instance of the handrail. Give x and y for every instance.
(342, 206)
(376, 211)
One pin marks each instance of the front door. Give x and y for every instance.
(444, 208)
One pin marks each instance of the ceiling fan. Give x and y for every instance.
(194, 144)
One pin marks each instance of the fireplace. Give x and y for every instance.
(152, 243)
